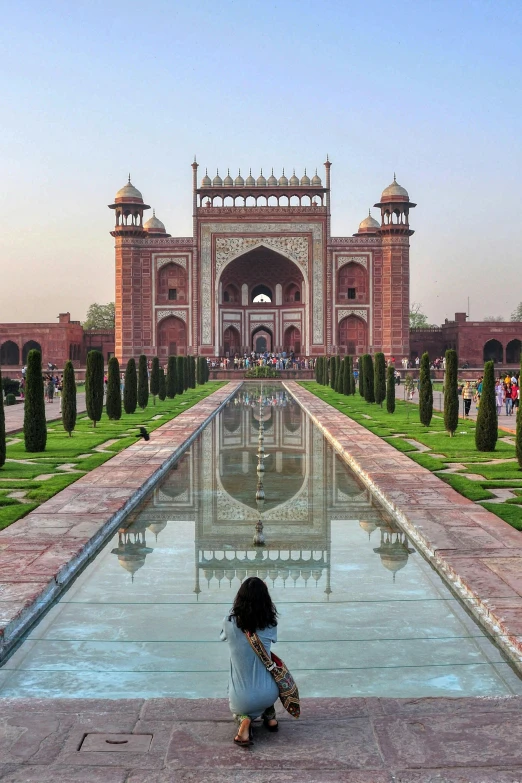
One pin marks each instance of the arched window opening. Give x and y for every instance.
(30, 345)
(261, 294)
(231, 293)
(352, 283)
(172, 337)
(9, 354)
(493, 351)
(292, 293)
(513, 352)
(171, 284)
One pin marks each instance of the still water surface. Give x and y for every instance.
(361, 613)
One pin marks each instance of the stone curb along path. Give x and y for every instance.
(41, 553)
(477, 553)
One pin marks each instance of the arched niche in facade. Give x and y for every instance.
(172, 337)
(171, 284)
(30, 345)
(262, 266)
(231, 294)
(513, 352)
(292, 294)
(9, 354)
(292, 340)
(262, 339)
(493, 350)
(353, 335)
(231, 341)
(352, 283)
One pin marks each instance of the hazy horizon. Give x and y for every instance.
(91, 91)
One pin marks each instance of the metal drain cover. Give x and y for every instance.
(116, 743)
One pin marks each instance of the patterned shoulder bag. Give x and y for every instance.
(288, 692)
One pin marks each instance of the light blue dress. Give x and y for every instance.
(251, 689)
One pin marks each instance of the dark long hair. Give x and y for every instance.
(253, 607)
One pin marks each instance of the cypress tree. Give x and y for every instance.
(192, 367)
(379, 389)
(69, 398)
(326, 371)
(143, 382)
(361, 374)
(317, 369)
(352, 376)
(390, 389)
(2, 424)
(332, 372)
(35, 425)
(113, 401)
(369, 394)
(180, 364)
(130, 392)
(518, 440)
(154, 378)
(200, 371)
(162, 386)
(172, 380)
(486, 431)
(425, 391)
(451, 395)
(94, 386)
(207, 370)
(186, 373)
(338, 374)
(346, 375)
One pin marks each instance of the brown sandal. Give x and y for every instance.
(242, 742)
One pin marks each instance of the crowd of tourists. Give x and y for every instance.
(507, 394)
(277, 361)
(410, 364)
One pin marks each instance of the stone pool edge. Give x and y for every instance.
(461, 566)
(48, 547)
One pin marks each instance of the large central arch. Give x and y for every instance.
(273, 294)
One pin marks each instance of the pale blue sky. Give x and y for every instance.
(93, 90)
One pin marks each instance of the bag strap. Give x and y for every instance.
(259, 649)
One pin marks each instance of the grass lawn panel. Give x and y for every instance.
(62, 449)
(470, 489)
(400, 444)
(504, 470)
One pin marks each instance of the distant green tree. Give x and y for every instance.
(486, 431)
(346, 375)
(68, 398)
(154, 378)
(113, 400)
(360, 369)
(451, 394)
(369, 393)
(180, 370)
(162, 389)
(390, 389)
(425, 391)
(35, 425)
(417, 319)
(143, 382)
(100, 316)
(516, 315)
(130, 390)
(379, 387)
(2, 425)
(94, 383)
(172, 377)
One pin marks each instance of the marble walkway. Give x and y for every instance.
(14, 414)
(42, 552)
(477, 553)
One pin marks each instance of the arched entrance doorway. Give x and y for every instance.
(231, 341)
(262, 340)
(9, 354)
(172, 337)
(292, 340)
(353, 338)
(30, 345)
(513, 352)
(493, 350)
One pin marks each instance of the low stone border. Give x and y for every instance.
(477, 554)
(41, 553)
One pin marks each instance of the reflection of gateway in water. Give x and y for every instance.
(306, 486)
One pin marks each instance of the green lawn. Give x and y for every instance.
(27, 472)
(460, 449)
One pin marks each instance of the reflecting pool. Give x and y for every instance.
(361, 613)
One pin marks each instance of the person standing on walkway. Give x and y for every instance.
(467, 396)
(507, 399)
(252, 691)
(499, 396)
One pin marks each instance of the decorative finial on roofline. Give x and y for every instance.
(129, 179)
(394, 177)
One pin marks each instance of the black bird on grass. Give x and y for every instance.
(143, 433)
